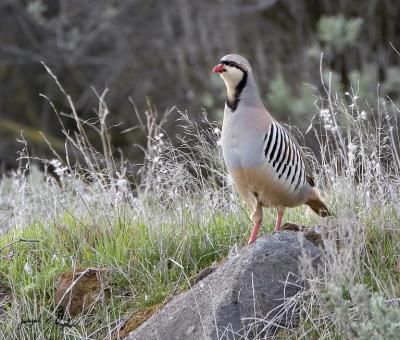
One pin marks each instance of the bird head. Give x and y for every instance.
(236, 73)
(232, 68)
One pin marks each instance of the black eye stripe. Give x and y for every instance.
(232, 64)
(229, 63)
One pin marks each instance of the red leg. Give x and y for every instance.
(257, 218)
(253, 235)
(281, 210)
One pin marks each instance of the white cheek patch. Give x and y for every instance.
(232, 76)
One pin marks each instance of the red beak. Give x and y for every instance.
(219, 68)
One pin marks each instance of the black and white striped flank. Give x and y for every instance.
(283, 155)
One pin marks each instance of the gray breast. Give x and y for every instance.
(242, 144)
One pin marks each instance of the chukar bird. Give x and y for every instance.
(265, 162)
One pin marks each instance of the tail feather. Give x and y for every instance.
(319, 207)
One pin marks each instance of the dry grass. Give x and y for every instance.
(153, 225)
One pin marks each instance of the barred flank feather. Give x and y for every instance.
(285, 157)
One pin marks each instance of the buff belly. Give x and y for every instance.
(270, 192)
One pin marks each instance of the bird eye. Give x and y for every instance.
(227, 63)
(230, 63)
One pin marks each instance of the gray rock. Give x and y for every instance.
(242, 299)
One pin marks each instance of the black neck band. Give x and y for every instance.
(233, 104)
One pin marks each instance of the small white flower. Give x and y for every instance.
(333, 129)
(217, 131)
(327, 119)
(377, 167)
(59, 169)
(352, 147)
(324, 112)
(10, 255)
(55, 162)
(363, 115)
(28, 268)
(122, 184)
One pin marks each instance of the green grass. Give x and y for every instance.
(382, 261)
(184, 214)
(143, 265)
